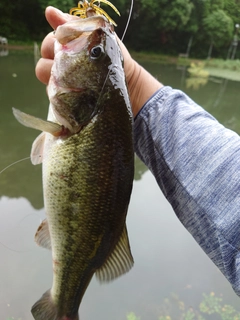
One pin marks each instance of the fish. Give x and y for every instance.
(86, 151)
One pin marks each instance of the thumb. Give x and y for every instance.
(55, 17)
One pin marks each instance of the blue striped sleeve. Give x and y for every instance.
(196, 162)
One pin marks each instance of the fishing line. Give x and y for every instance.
(1, 243)
(18, 251)
(12, 164)
(128, 21)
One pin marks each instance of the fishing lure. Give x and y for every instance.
(84, 9)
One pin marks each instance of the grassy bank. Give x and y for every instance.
(160, 58)
(233, 65)
(211, 63)
(19, 45)
(228, 69)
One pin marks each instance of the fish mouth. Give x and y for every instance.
(64, 94)
(74, 29)
(67, 127)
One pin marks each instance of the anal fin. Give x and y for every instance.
(42, 236)
(119, 262)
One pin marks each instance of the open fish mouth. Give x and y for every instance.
(72, 30)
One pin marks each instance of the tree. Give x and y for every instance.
(157, 22)
(22, 20)
(156, 25)
(218, 27)
(167, 15)
(64, 5)
(232, 7)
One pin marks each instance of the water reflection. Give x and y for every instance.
(222, 88)
(166, 257)
(166, 260)
(140, 169)
(19, 257)
(36, 52)
(4, 51)
(198, 77)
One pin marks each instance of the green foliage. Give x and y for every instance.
(169, 15)
(161, 26)
(64, 5)
(174, 308)
(22, 20)
(224, 64)
(132, 316)
(213, 305)
(210, 304)
(198, 13)
(232, 7)
(213, 5)
(219, 27)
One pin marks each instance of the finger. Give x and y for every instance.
(43, 70)
(47, 47)
(56, 17)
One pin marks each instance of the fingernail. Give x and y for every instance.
(59, 12)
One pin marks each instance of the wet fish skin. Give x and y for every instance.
(87, 173)
(91, 205)
(87, 87)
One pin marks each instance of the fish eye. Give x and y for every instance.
(96, 52)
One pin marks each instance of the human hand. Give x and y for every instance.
(141, 84)
(55, 18)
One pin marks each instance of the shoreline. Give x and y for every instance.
(16, 47)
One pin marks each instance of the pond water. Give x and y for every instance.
(170, 273)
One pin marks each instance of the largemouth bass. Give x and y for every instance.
(86, 151)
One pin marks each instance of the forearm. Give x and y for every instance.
(195, 161)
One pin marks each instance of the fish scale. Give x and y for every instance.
(101, 200)
(87, 156)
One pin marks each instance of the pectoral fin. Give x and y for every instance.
(37, 149)
(42, 236)
(35, 123)
(119, 262)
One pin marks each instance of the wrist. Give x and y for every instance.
(141, 86)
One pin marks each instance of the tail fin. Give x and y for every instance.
(45, 309)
